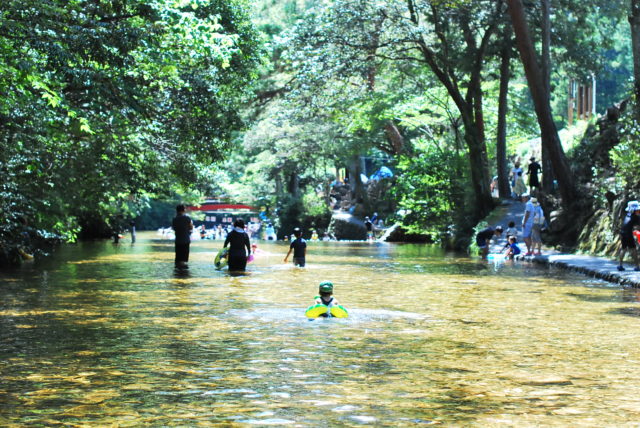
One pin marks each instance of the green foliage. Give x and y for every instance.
(108, 105)
(428, 188)
(290, 210)
(308, 213)
(625, 155)
(473, 246)
(105, 102)
(317, 214)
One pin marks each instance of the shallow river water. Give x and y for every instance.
(105, 335)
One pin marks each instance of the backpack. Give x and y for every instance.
(538, 216)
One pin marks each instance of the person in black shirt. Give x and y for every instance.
(182, 227)
(299, 248)
(532, 172)
(369, 226)
(630, 222)
(483, 238)
(239, 247)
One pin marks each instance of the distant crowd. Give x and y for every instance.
(256, 230)
(517, 179)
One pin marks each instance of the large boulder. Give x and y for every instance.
(400, 234)
(345, 226)
(557, 221)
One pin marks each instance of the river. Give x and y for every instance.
(106, 335)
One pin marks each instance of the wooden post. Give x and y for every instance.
(593, 94)
(581, 102)
(570, 104)
(589, 101)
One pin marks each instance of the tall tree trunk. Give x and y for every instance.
(355, 181)
(634, 20)
(395, 137)
(548, 131)
(279, 186)
(469, 106)
(478, 162)
(547, 168)
(294, 184)
(501, 142)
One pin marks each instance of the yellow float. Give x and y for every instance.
(319, 310)
(221, 259)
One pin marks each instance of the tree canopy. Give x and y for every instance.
(104, 102)
(107, 105)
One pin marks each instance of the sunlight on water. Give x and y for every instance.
(104, 335)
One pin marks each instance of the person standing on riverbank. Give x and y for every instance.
(182, 227)
(631, 221)
(239, 247)
(520, 188)
(532, 172)
(515, 172)
(527, 222)
(536, 229)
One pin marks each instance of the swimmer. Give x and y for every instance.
(326, 297)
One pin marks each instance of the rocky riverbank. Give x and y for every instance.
(597, 267)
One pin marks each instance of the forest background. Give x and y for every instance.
(116, 110)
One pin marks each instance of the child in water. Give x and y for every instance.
(326, 297)
(513, 250)
(299, 248)
(252, 256)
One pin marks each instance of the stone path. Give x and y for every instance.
(598, 267)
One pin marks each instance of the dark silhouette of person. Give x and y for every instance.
(239, 247)
(133, 231)
(182, 226)
(532, 172)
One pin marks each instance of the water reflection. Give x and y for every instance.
(111, 335)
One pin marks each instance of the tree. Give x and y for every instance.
(445, 41)
(468, 60)
(501, 137)
(104, 102)
(634, 21)
(540, 94)
(545, 62)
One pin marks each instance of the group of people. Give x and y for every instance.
(254, 229)
(518, 186)
(533, 220)
(237, 241)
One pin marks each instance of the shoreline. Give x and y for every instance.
(597, 267)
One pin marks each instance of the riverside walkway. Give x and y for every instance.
(597, 267)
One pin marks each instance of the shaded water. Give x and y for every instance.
(105, 335)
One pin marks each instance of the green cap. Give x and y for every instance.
(326, 287)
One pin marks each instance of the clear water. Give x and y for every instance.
(104, 335)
